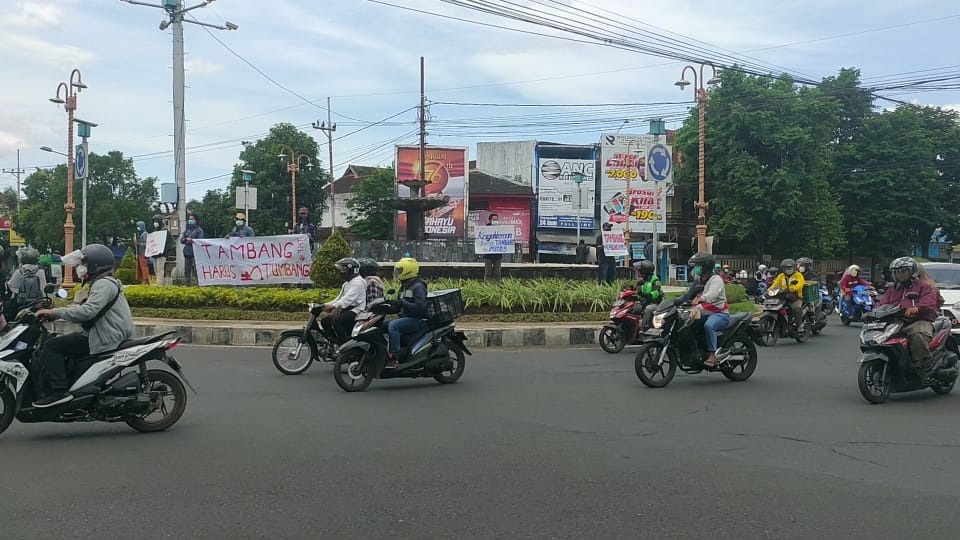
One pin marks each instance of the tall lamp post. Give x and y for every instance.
(292, 159)
(700, 93)
(68, 98)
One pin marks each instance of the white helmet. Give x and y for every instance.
(762, 268)
(854, 270)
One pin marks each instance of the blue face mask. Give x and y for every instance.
(191, 222)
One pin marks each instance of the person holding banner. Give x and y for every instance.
(240, 228)
(606, 266)
(169, 250)
(348, 304)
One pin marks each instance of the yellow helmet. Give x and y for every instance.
(406, 268)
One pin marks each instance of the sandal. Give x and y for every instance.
(710, 362)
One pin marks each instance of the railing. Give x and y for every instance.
(423, 251)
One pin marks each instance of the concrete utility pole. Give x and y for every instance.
(701, 94)
(329, 128)
(16, 172)
(175, 17)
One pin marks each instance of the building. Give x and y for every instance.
(509, 202)
(342, 193)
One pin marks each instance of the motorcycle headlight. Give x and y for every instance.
(658, 321)
(876, 336)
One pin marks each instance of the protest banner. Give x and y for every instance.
(258, 260)
(494, 239)
(155, 242)
(614, 244)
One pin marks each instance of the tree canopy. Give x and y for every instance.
(369, 218)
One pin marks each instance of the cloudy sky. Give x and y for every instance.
(366, 56)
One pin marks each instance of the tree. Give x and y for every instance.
(369, 218)
(322, 272)
(216, 212)
(116, 196)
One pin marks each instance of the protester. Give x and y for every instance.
(304, 226)
(140, 241)
(169, 252)
(582, 252)
(607, 266)
(240, 228)
(191, 233)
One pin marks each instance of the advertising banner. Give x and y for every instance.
(614, 245)
(494, 239)
(258, 260)
(559, 194)
(625, 189)
(518, 219)
(446, 170)
(155, 243)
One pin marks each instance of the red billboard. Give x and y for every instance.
(446, 171)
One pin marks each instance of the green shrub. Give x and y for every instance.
(735, 293)
(256, 299)
(127, 273)
(322, 272)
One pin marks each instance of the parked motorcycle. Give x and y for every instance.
(296, 350)
(864, 300)
(624, 325)
(437, 350)
(886, 366)
(676, 341)
(775, 322)
(114, 386)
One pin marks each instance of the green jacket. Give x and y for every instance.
(650, 289)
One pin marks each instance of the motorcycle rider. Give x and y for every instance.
(920, 313)
(348, 304)
(761, 274)
(370, 272)
(105, 317)
(711, 302)
(413, 306)
(792, 281)
(851, 278)
(26, 284)
(649, 290)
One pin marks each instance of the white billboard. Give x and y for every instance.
(625, 191)
(559, 193)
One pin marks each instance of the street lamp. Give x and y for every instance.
(700, 93)
(48, 149)
(247, 178)
(292, 159)
(68, 99)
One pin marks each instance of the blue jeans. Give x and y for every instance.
(398, 327)
(607, 271)
(715, 322)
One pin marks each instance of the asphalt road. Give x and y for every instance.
(530, 444)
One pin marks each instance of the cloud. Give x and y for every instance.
(50, 54)
(199, 66)
(9, 143)
(33, 14)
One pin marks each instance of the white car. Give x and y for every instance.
(947, 278)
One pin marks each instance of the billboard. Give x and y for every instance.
(446, 170)
(519, 219)
(625, 191)
(559, 194)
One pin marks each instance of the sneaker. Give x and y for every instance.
(53, 400)
(391, 361)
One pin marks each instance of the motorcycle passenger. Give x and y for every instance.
(792, 282)
(920, 313)
(105, 317)
(370, 272)
(805, 267)
(27, 283)
(413, 306)
(711, 303)
(649, 290)
(851, 278)
(351, 301)
(772, 273)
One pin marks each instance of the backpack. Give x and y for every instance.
(29, 287)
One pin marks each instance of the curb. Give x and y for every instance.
(265, 335)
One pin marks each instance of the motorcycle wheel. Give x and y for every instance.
(744, 347)
(645, 364)
(160, 386)
(9, 403)
(845, 320)
(611, 339)
(350, 374)
(458, 360)
(874, 386)
(940, 388)
(805, 330)
(291, 356)
(767, 328)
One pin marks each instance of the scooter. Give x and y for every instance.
(863, 300)
(624, 325)
(296, 350)
(775, 322)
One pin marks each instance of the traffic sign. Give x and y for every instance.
(80, 162)
(659, 163)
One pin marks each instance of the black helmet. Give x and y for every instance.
(805, 261)
(706, 262)
(905, 263)
(98, 258)
(348, 267)
(369, 267)
(29, 256)
(787, 266)
(644, 268)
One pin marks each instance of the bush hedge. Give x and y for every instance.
(127, 272)
(322, 271)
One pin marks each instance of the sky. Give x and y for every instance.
(365, 55)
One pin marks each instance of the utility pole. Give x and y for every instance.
(176, 12)
(329, 127)
(423, 146)
(16, 172)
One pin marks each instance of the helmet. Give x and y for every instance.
(904, 263)
(240, 215)
(774, 270)
(644, 268)
(762, 268)
(98, 258)
(406, 268)
(348, 267)
(29, 256)
(854, 270)
(706, 262)
(788, 266)
(369, 267)
(726, 267)
(805, 261)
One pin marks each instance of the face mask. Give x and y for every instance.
(303, 218)
(156, 225)
(801, 269)
(191, 222)
(82, 271)
(788, 271)
(697, 271)
(239, 223)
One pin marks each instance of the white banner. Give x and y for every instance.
(258, 260)
(558, 193)
(494, 239)
(155, 243)
(623, 160)
(614, 244)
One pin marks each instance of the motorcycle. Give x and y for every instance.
(821, 310)
(864, 299)
(886, 366)
(296, 350)
(674, 341)
(437, 350)
(775, 322)
(624, 326)
(114, 386)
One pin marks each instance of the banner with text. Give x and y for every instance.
(623, 162)
(518, 219)
(258, 260)
(446, 172)
(494, 239)
(559, 194)
(614, 244)
(155, 243)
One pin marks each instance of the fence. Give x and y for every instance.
(424, 251)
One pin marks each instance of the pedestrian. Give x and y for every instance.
(240, 228)
(492, 262)
(191, 233)
(606, 266)
(169, 251)
(304, 226)
(140, 241)
(582, 252)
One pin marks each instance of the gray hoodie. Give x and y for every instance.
(114, 327)
(16, 280)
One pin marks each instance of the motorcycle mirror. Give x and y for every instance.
(49, 288)
(61, 293)
(392, 291)
(912, 295)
